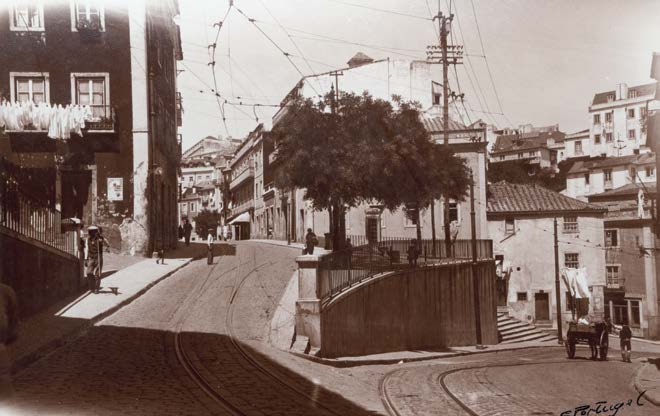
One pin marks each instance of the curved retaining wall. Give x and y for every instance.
(425, 308)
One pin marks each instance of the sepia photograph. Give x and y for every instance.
(329, 207)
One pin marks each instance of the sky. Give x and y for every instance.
(529, 61)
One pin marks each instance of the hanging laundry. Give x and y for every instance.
(59, 121)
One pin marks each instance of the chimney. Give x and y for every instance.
(621, 91)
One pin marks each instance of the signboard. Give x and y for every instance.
(115, 189)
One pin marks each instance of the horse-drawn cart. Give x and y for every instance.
(595, 335)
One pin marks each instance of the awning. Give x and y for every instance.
(244, 217)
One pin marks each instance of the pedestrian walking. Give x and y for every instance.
(8, 334)
(625, 335)
(93, 247)
(180, 230)
(310, 241)
(187, 230)
(209, 243)
(413, 253)
(270, 232)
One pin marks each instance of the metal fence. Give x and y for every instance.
(22, 214)
(342, 269)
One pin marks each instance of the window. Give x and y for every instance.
(597, 138)
(642, 111)
(501, 157)
(610, 98)
(521, 296)
(596, 118)
(192, 206)
(635, 318)
(410, 218)
(29, 86)
(650, 171)
(436, 99)
(87, 15)
(509, 226)
(532, 154)
(520, 155)
(611, 238)
(92, 89)
(572, 260)
(631, 113)
(607, 175)
(27, 17)
(633, 174)
(586, 178)
(453, 211)
(578, 147)
(631, 134)
(609, 137)
(608, 117)
(632, 93)
(208, 176)
(191, 178)
(570, 225)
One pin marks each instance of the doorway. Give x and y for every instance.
(542, 306)
(75, 194)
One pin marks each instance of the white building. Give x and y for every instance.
(594, 176)
(618, 120)
(577, 144)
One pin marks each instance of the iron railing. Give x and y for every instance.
(26, 216)
(342, 269)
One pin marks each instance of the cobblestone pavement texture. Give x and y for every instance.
(126, 363)
(526, 382)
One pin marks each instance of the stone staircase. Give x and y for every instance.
(513, 330)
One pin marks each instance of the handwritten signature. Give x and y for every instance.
(601, 407)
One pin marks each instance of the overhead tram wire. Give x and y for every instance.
(412, 16)
(213, 48)
(295, 45)
(286, 54)
(483, 51)
(477, 90)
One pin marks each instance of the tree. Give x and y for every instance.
(363, 149)
(204, 220)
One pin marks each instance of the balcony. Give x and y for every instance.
(615, 283)
(99, 134)
(272, 158)
(242, 207)
(239, 179)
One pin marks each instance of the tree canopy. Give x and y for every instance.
(363, 149)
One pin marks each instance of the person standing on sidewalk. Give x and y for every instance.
(8, 334)
(209, 243)
(92, 259)
(187, 230)
(310, 241)
(625, 336)
(413, 253)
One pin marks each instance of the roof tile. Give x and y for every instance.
(505, 197)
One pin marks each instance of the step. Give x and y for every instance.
(523, 334)
(513, 325)
(534, 337)
(518, 330)
(506, 319)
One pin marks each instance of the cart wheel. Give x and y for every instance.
(570, 349)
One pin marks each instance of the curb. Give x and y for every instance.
(654, 395)
(388, 361)
(28, 359)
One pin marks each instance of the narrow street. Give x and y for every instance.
(128, 363)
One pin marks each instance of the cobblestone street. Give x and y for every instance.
(126, 364)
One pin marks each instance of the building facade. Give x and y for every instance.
(120, 61)
(618, 120)
(520, 214)
(631, 255)
(543, 149)
(577, 145)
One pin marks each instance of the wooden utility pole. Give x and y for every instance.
(475, 276)
(449, 54)
(558, 295)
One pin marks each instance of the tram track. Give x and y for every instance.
(183, 356)
(440, 378)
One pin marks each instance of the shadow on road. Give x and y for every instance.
(134, 371)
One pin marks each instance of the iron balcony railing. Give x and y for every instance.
(26, 216)
(342, 269)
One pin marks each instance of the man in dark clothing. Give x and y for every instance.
(412, 253)
(310, 241)
(93, 249)
(187, 230)
(180, 231)
(624, 336)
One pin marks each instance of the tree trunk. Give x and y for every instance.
(419, 229)
(338, 229)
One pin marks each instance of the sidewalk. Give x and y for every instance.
(298, 246)
(63, 322)
(647, 380)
